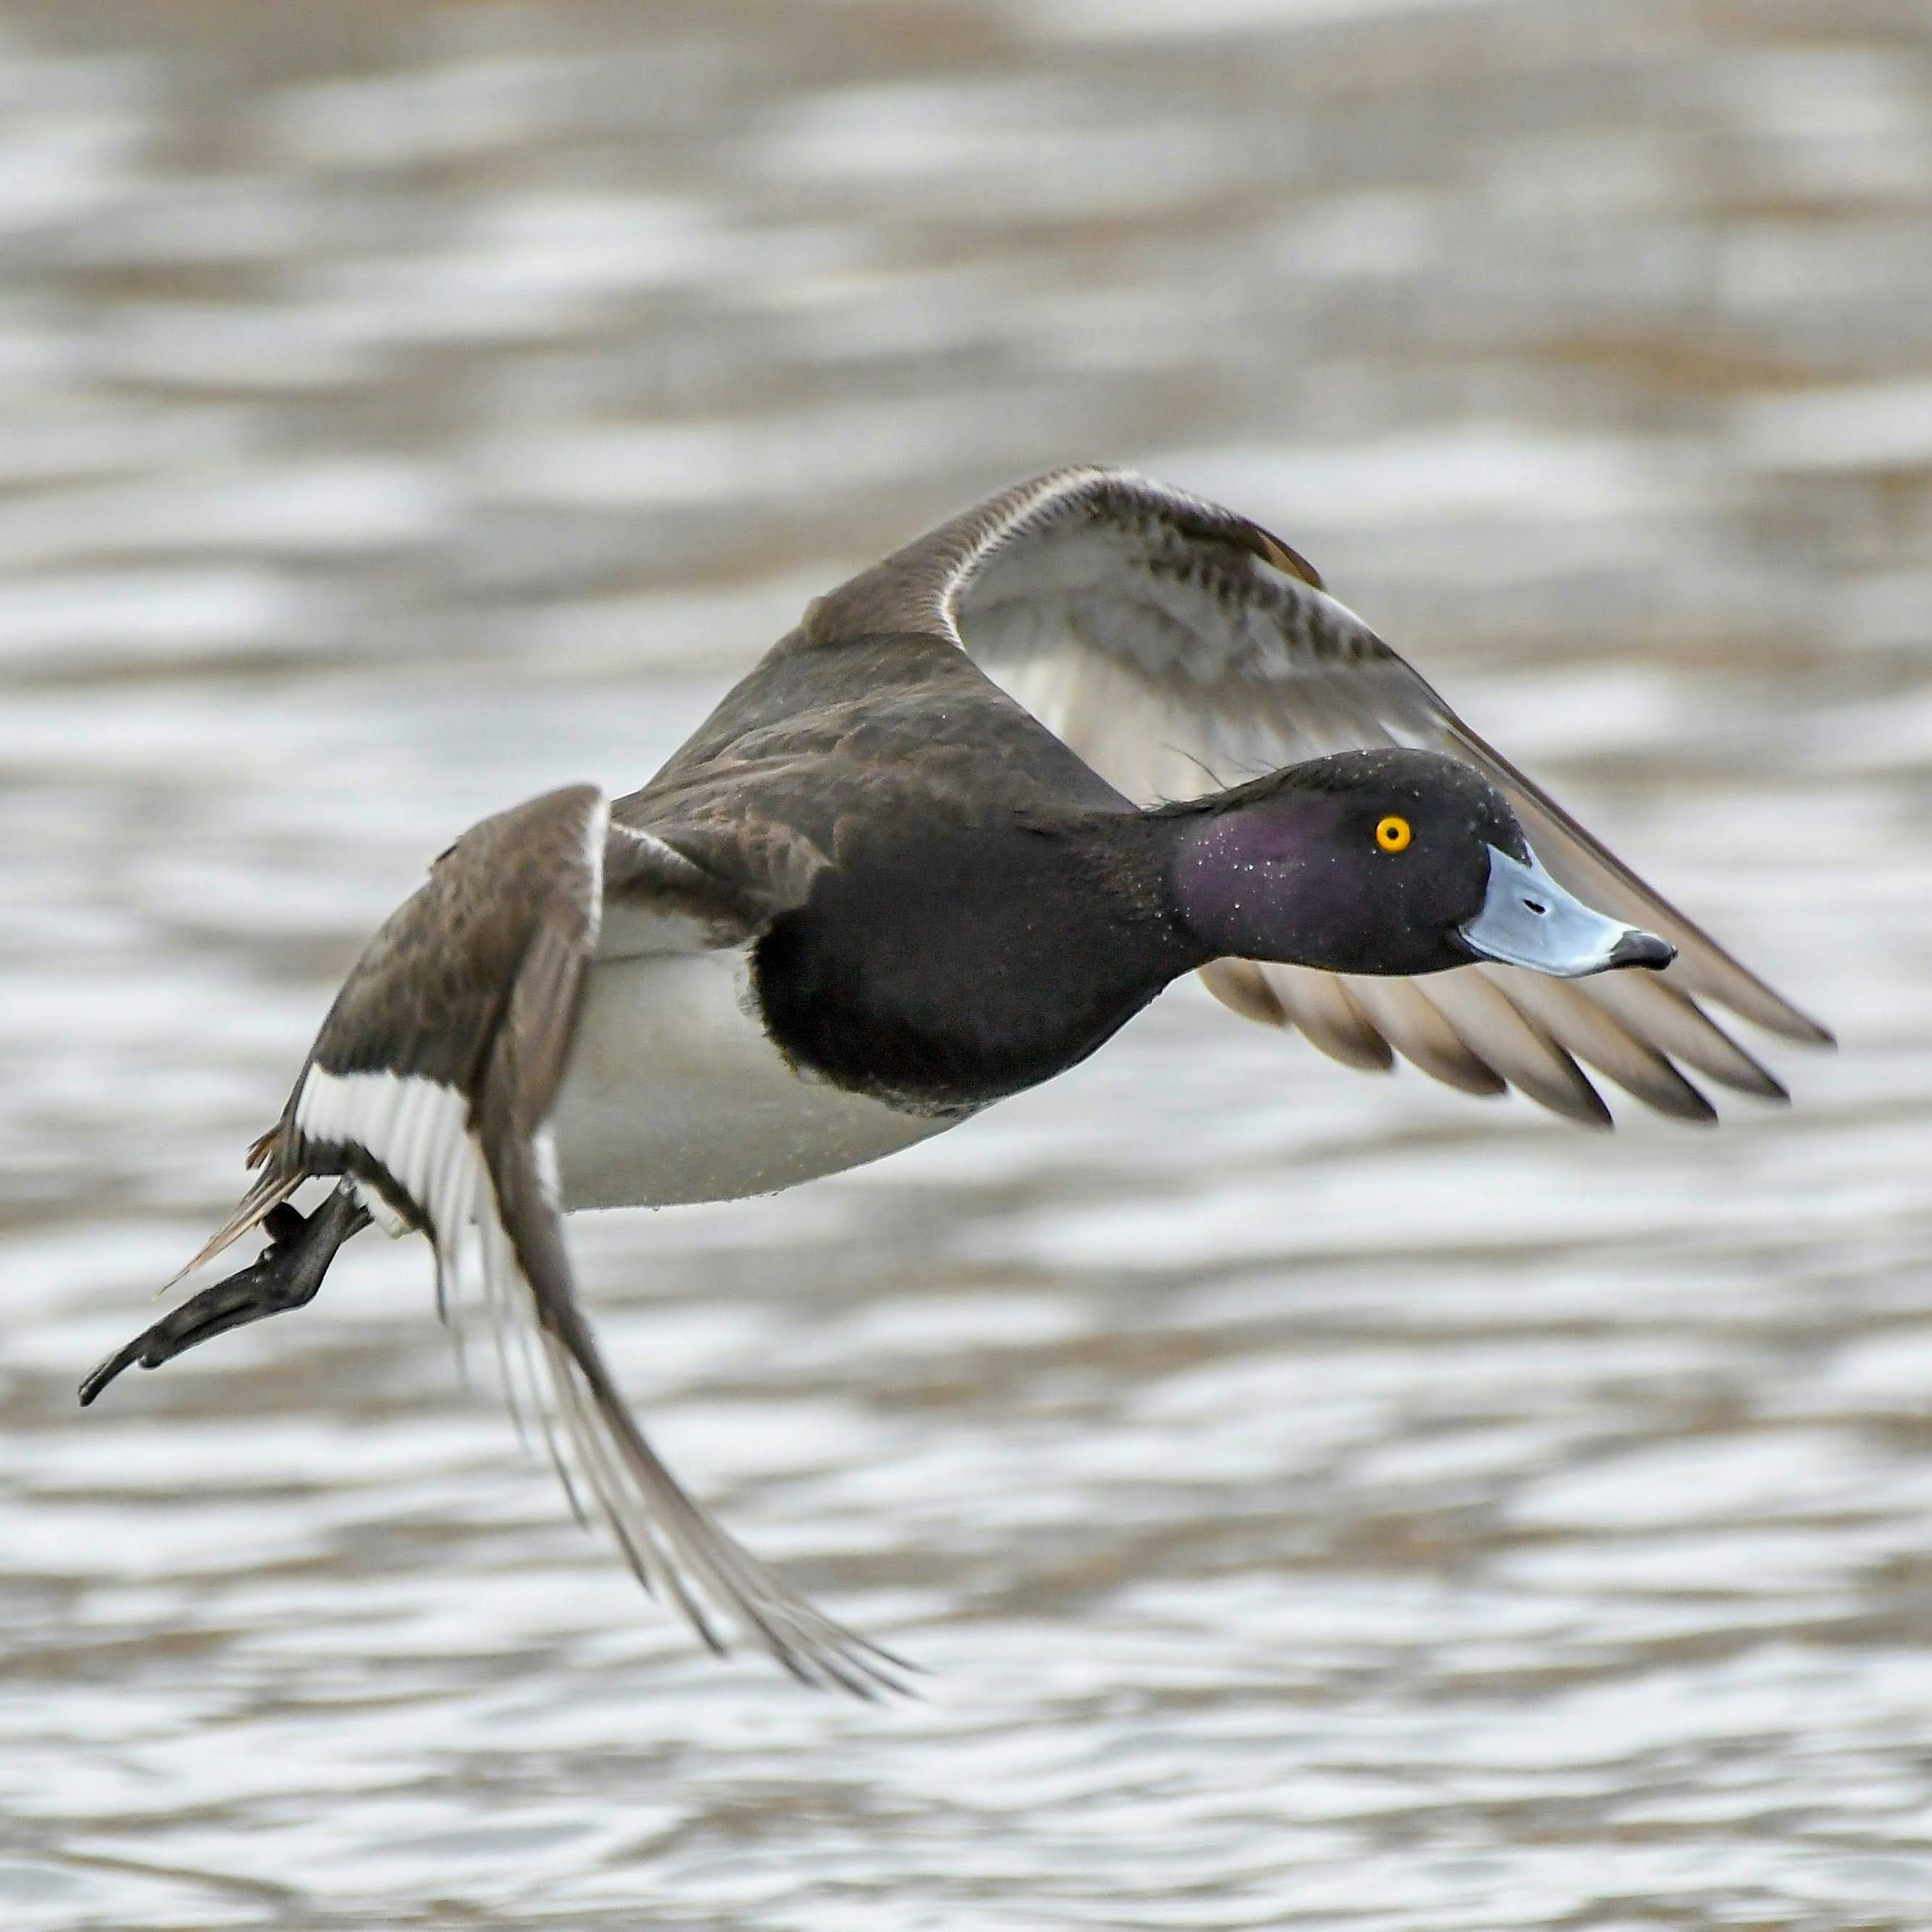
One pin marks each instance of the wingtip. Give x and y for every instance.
(1777, 1014)
(1678, 1099)
(1580, 1104)
(1575, 1097)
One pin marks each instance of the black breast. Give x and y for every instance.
(948, 965)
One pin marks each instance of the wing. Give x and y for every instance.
(1180, 649)
(432, 1082)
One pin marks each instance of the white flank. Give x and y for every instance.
(675, 1093)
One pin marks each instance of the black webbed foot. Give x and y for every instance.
(285, 1275)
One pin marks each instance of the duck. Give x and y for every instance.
(984, 801)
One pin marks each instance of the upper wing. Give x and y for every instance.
(694, 872)
(432, 1081)
(1180, 649)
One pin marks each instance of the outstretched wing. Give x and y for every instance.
(432, 1083)
(1180, 649)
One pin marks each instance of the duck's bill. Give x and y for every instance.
(1529, 919)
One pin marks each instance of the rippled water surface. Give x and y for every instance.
(1320, 1500)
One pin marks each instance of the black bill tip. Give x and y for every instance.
(1642, 948)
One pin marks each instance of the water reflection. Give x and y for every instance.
(1319, 1498)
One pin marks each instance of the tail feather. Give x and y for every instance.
(277, 1180)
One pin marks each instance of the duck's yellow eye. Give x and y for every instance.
(1392, 834)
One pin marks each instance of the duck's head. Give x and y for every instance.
(1384, 862)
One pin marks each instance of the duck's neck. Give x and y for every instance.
(952, 968)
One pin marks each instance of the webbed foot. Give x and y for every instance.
(285, 1275)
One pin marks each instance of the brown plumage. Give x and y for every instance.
(904, 868)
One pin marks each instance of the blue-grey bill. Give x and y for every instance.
(1529, 919)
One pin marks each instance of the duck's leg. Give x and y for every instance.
(285, 1275)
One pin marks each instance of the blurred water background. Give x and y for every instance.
(1322, 1500)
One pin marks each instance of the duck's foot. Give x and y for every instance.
(285, 1275)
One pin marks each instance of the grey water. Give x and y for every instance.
(1319, 1500)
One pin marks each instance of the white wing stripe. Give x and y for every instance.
(596, 830)
(415, 1127)
(417, 1130)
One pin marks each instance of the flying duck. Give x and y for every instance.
(974, 812)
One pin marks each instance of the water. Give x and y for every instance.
(1319, 1500)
